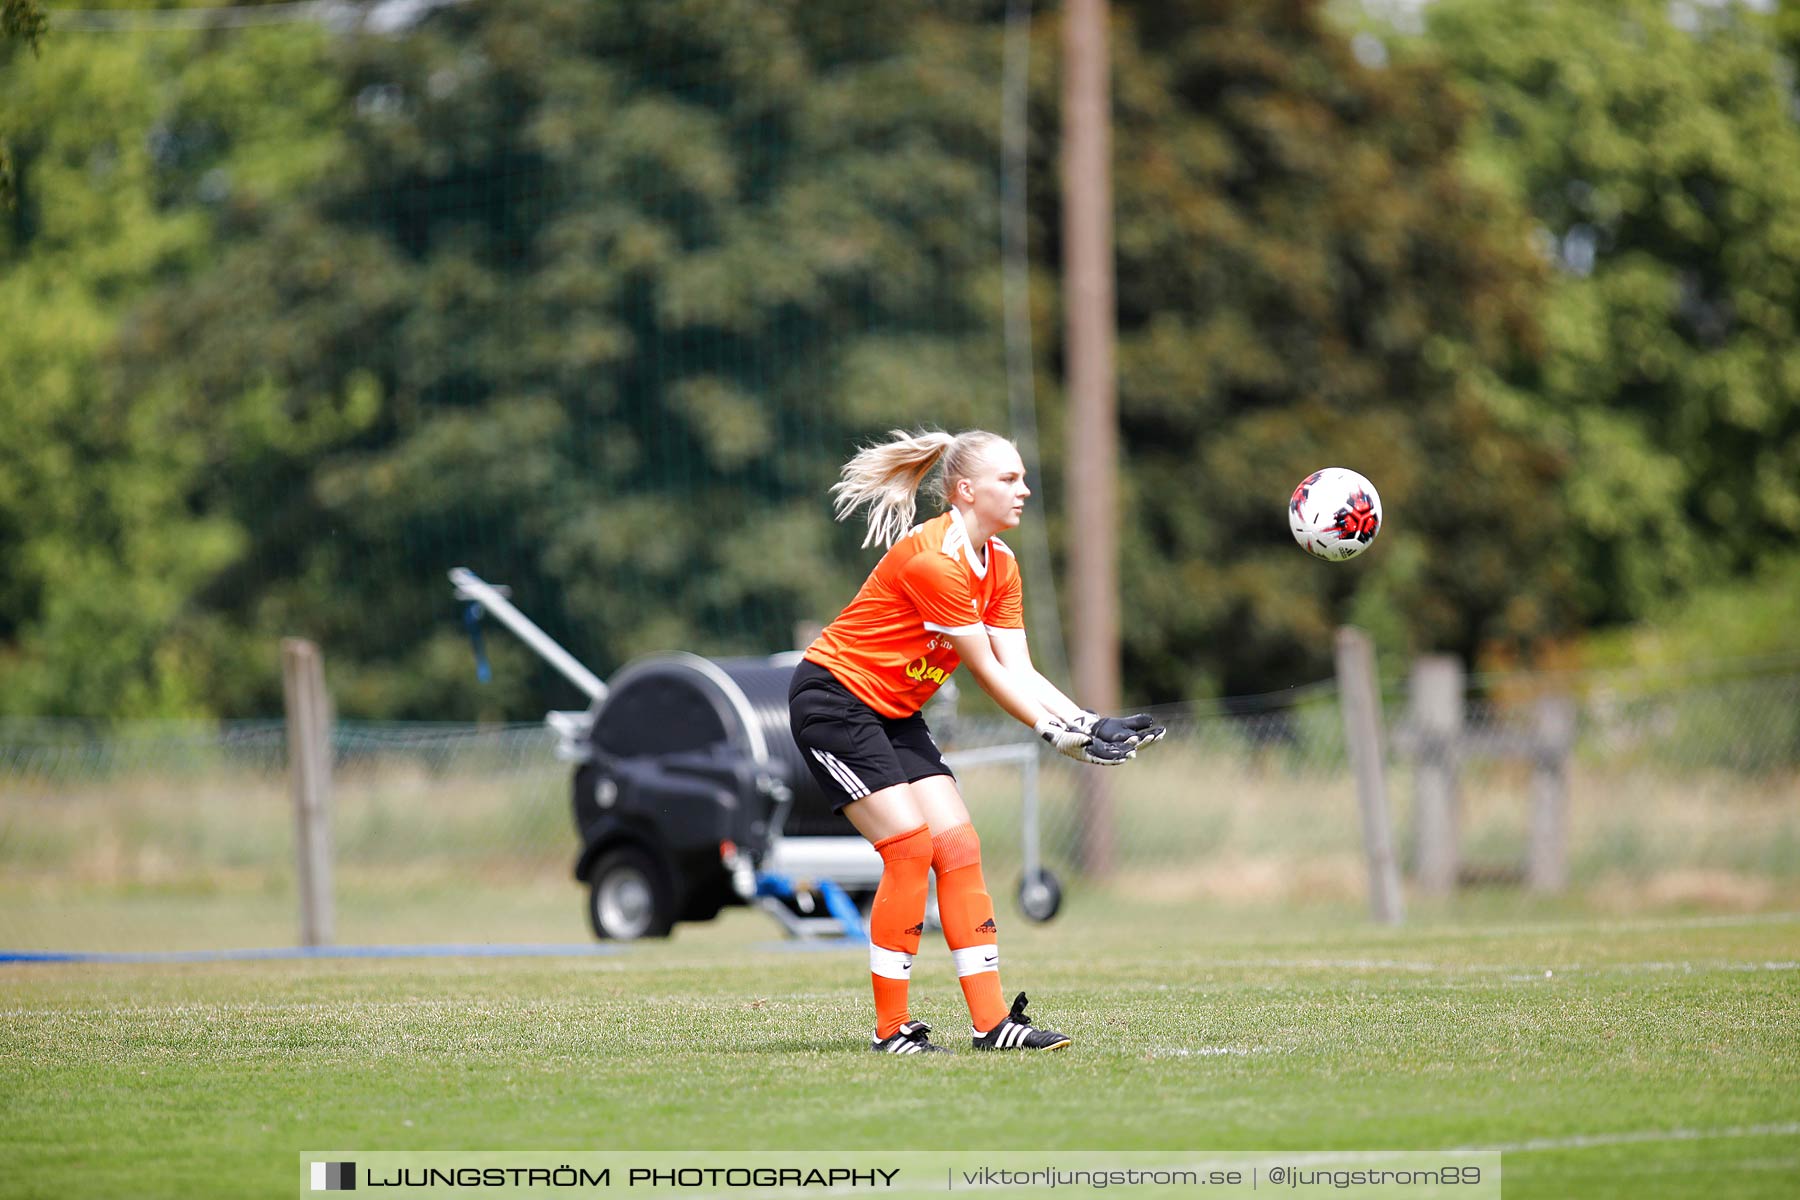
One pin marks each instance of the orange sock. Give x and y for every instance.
(967, 912)
(896, 920)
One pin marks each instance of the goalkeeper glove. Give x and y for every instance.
(1138, 730)
(1080, 745)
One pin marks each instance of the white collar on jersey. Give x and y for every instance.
(957, 538)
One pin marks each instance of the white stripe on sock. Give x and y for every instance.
(973, 960)
(890, 964)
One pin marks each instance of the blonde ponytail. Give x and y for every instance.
(887, 476)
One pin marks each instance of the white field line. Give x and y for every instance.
(1346, 964)
(1690, 967)
(1639, 1137)
(1642, 925)
(1215, 1051)
(1516, 971)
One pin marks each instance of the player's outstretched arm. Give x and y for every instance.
(1014, 696)
(1014, 652)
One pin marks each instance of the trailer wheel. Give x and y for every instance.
(629, 897)
(1040, 895)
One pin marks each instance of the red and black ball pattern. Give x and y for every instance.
(1357, 519)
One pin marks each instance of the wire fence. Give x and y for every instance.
(173, 835)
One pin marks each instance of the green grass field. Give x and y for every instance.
(1639, 1057)
(1639, 1036)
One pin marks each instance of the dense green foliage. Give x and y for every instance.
(22, 22)
(595, 298)
(1307, 279)
(591, 300)
(1662, 163)
(125, 148)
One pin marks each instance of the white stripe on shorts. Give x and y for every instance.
(832, 772)
(862, 788)
(844, 775)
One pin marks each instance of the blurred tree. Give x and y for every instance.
(1657, 148)
(1307, 278)
(23, 20)
(131, 153)
(595, 300)
(1787, 32)
(20, 21)
(1745, 619)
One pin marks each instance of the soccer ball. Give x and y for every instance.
(1335, 514)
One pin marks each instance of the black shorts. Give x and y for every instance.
(851, 749)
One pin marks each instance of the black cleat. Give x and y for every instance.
(1015, 1032)
(910, 1038)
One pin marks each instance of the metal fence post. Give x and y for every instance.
(1437, 722)
(309, 774)
(1547, 868)
(1360, 699)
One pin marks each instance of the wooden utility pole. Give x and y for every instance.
(1091, 491)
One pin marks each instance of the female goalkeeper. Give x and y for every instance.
(945, 592)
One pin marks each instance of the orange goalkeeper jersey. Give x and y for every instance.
(888, 646)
